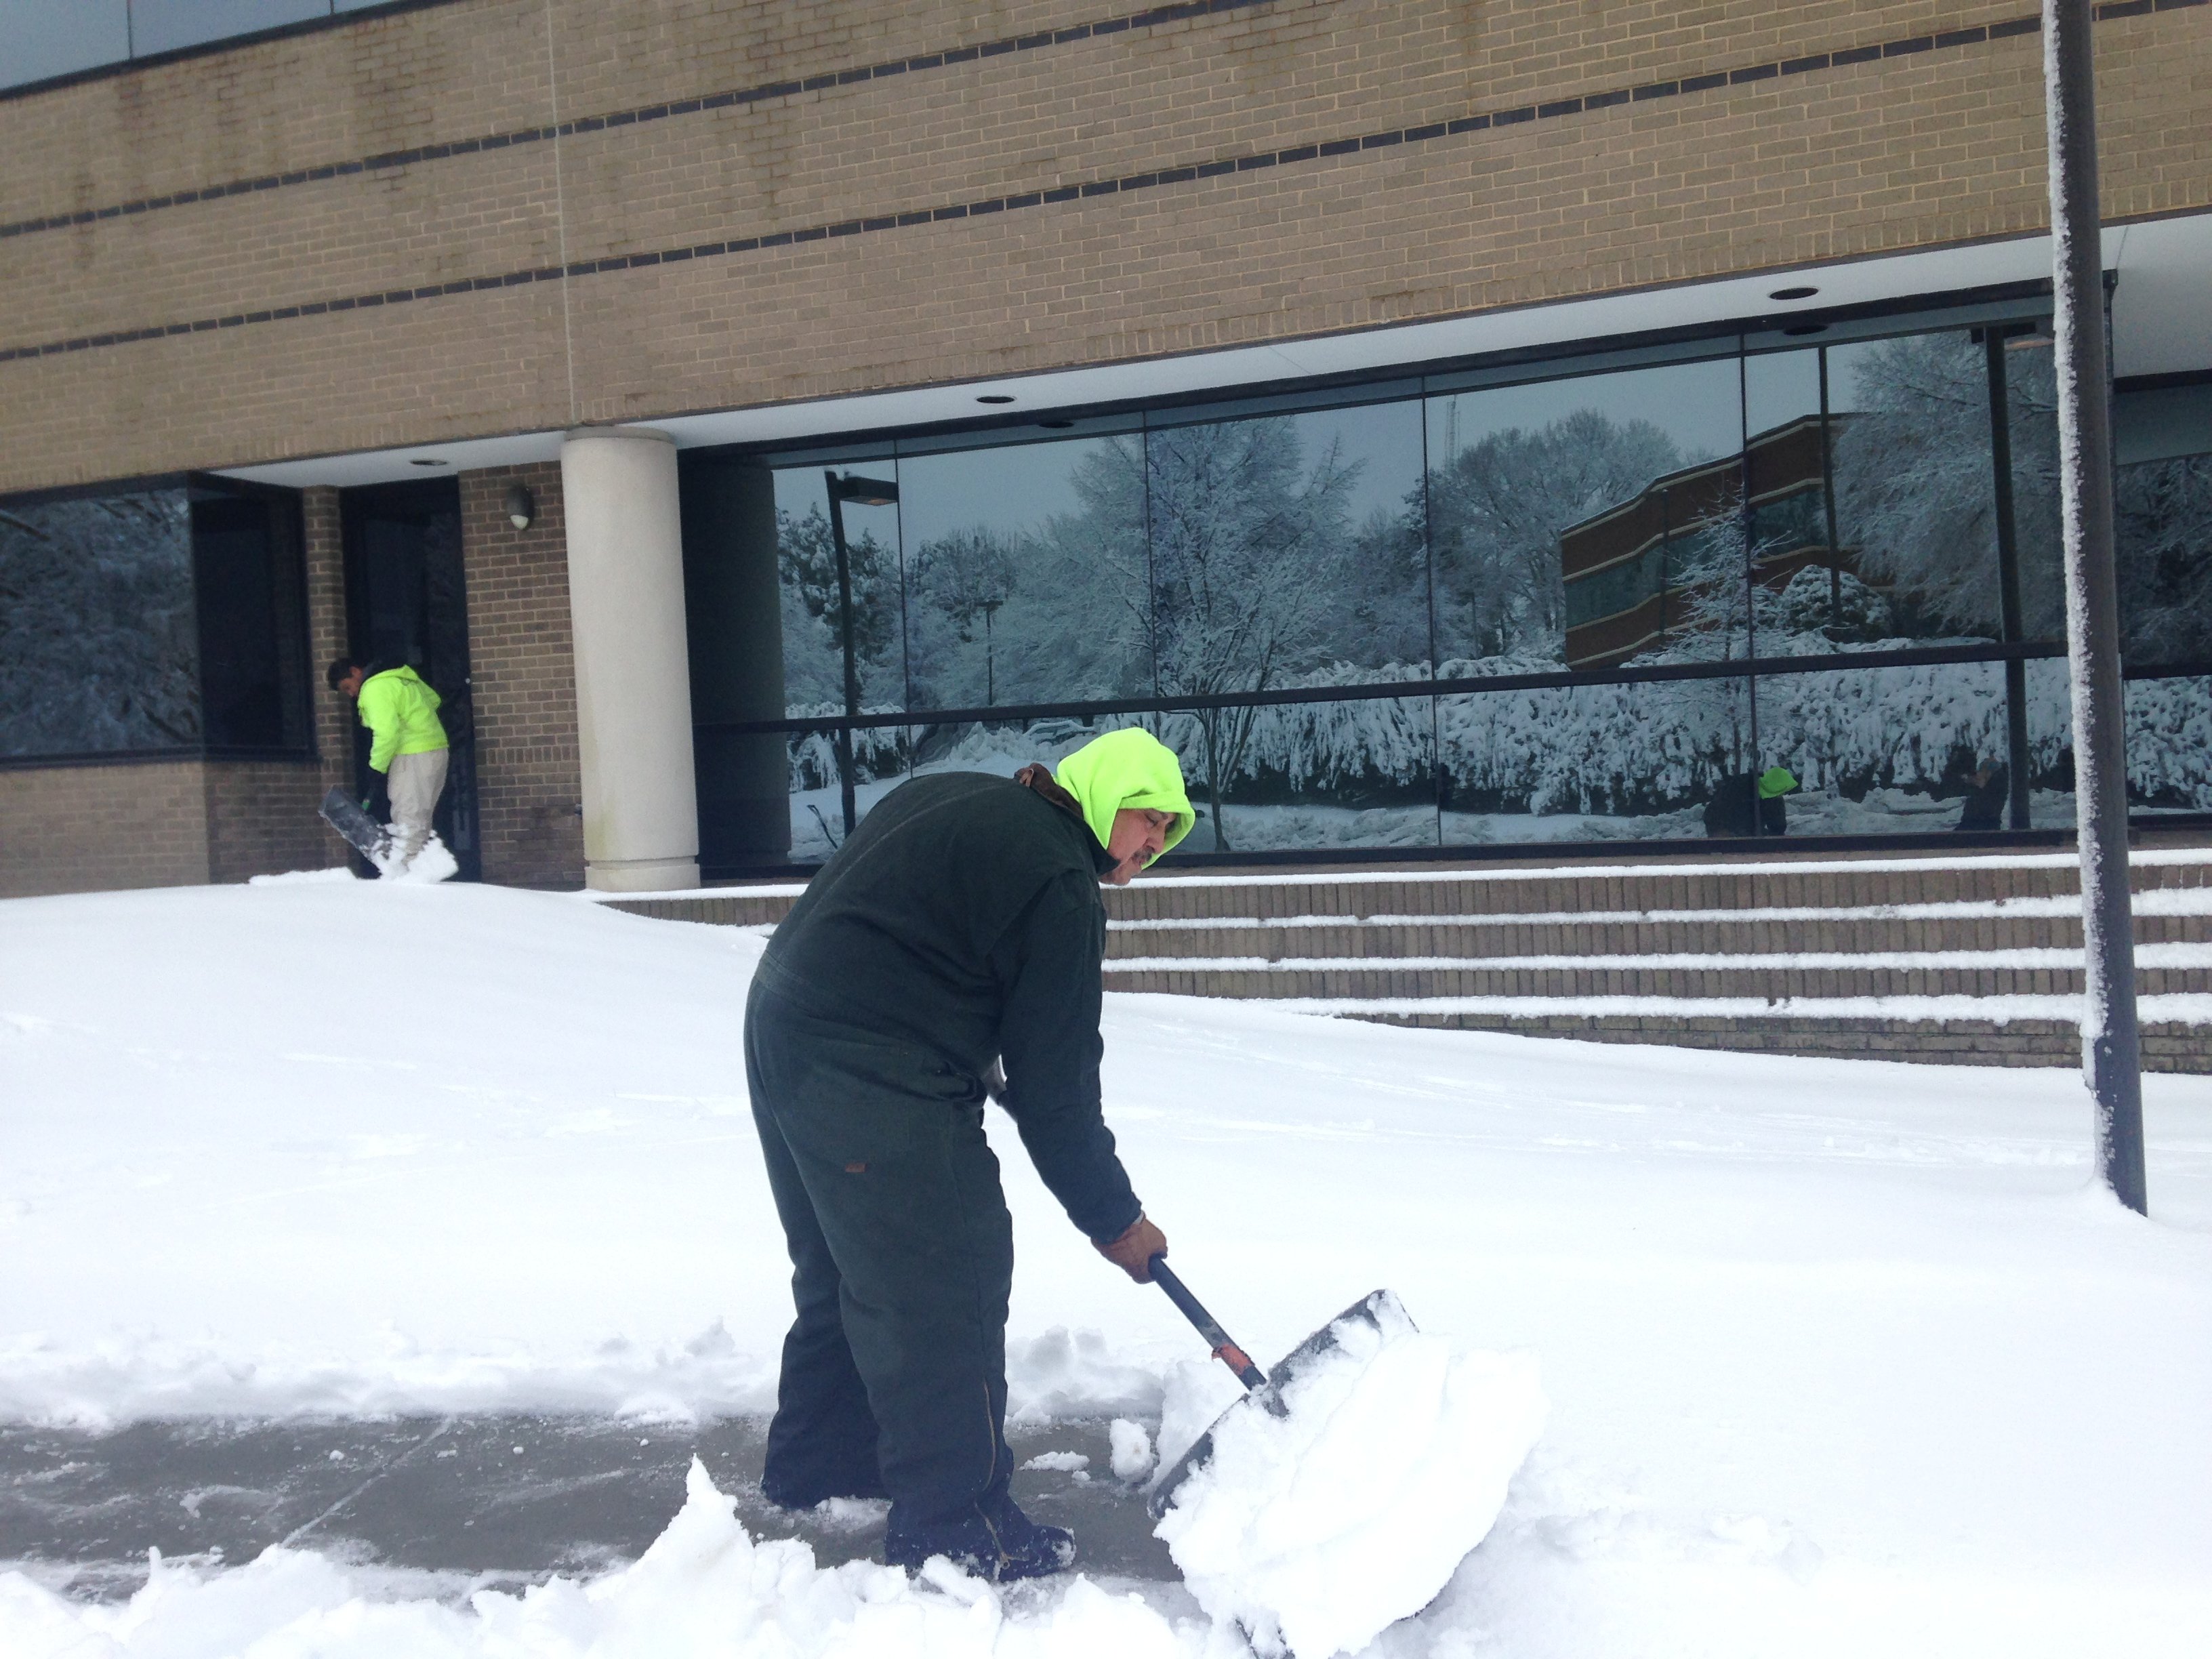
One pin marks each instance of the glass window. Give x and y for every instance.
(1764, 498)
(807, 571)
(2024, 358)
(878, 766)
(2163, 532)
(1588, 521)
(39, 39)
(1026, 573)
(1003, 747)
(252, 620)
(1359, 772)
(1891, 750)
(165, 25)
(98, 647)
(1596, 763)
(1808, 596)
(1915, 485)
(1285, 551)
(2169, 725)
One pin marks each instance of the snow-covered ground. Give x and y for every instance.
(1840, 1359)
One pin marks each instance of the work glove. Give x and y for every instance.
(1134, 1249)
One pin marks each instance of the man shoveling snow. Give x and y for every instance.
(958, 927)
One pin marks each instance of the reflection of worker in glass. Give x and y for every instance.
(408, 744)
(1986, 794)
(1745, 805)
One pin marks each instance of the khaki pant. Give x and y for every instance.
(415, 782)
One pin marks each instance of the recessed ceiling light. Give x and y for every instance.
(1793, 294)
(1807, 328)
(994, 397)
(1056, 426)
(419, 460)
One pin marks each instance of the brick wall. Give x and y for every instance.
(335, 722)
(79, 829)
(1603, 149)
(522, 681)
(261, 819)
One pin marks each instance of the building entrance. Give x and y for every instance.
(406, 602)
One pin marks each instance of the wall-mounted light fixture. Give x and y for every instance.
(521, 507)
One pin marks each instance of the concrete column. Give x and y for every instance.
(633, 684)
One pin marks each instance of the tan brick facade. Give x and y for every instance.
(1938, 142)
(522, 681)
(67, 830)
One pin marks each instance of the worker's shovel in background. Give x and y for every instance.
(1264, 1392)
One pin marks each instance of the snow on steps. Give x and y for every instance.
(1973, 960)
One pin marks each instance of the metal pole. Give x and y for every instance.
(2111, 1056)
(2011, 627)
(845, 635)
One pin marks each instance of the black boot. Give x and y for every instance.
(992, 1538)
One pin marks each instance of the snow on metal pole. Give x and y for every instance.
(2111, 1046)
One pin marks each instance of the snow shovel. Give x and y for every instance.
(1265, 1393)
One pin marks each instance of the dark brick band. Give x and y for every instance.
(1151, 17)
(1085, 190)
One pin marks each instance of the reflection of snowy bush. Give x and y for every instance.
(1645, 755)
(2170, 743)
(1657, 748)
(878, 752)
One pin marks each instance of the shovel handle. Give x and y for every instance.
(1208, 1326)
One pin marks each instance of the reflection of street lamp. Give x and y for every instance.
(990, 609)
(863, 492)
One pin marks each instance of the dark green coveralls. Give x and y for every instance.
(960, 921)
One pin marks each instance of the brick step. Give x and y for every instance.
(1811, 889)
(1290, 938)
(2167, 1046)
(1961, 974)
(1950, 960)
(1616, 892)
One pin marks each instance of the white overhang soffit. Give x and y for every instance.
(2161, 323)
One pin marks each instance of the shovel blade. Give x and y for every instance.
(1380, 1310)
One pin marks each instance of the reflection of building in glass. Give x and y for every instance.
(1669, 562)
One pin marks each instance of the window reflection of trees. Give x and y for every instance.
(98, 649)
(2164, 530)
(1250, 553)
(1496, 510)
(1255, 555)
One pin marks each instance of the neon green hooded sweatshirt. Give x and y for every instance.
(1125, 768)
(403, 713)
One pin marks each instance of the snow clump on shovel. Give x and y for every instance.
(1316, 1529)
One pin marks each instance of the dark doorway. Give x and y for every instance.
(406, 602)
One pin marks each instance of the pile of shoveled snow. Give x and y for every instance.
(705, 1590)
(1316, 1529)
